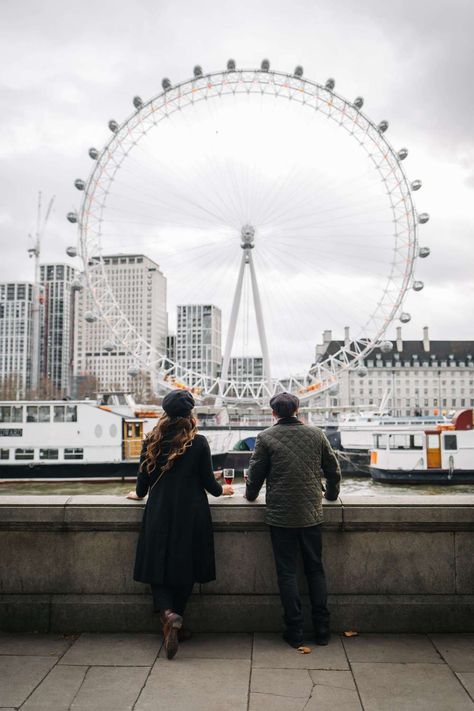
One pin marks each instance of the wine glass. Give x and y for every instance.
(229, 476)
(246, 475)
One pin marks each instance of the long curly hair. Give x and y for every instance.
(170, 437)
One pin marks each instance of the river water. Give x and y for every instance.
(357, 487)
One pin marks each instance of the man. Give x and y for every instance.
(293, 457)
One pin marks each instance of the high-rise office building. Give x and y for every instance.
(198, 338)
(139, 287)
(246, 368)
(16, 337)
(57, 343)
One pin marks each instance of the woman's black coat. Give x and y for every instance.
(176, 543)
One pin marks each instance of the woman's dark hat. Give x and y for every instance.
(178, 403)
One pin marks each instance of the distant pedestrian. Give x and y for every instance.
(176, 546)
(293, 458)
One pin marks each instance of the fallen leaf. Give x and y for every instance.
(350, 633)
(304, 650)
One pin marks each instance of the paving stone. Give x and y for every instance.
(456, 649)
(110, 689)
(336, 679)
(405, 687)
(197, 684)
(327, 698)
(217, 646)
(57, 691)
(34, 644)
(282, 682)
(271, 652)
(114, 650)
(391, 648)
(276, 703)
(19, 675)
(467, 680)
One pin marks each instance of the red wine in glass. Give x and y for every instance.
(228, 476)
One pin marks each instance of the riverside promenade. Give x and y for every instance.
(236, 672)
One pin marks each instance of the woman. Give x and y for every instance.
(176, 546)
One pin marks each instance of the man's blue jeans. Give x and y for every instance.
(286, 542)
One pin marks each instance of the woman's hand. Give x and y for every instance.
(227, 490)
(132, 495)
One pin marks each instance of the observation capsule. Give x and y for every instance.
(265, 65)
(423, 218)
(133, 371)
(79, 184)
(382, 127)
(137, 102)
(361, 371)
(197, 71)
(298, 71)
(72, 217)
(405, 317)
(231, 65)
(415, 184)
(418, 285)
(358, 102)
(109, 346)
(90, 317)
(166, 84)
(113, 125)
(93, 153)
(71, 252)
(386, 346)
(424, 252)
(330, 84)
(402, 153)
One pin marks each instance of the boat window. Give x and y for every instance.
(381, 441)
(450, 441)
(43, 413)
(4, 454)
(71, 413)
(17, 414)
(11, 413)
(32, 413)
(24, 453)
(137, 429)
(73, 453)
(48, 453)
(59, 413)
(399, 441)
(432, 441)
(416, 441)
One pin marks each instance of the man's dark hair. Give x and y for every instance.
(284, 404)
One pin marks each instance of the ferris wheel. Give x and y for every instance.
(271, 196)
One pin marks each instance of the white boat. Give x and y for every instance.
(440, 454)
(356, 430)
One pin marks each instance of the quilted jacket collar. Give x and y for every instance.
(288, 421)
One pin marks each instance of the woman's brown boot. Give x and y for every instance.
(172, 623)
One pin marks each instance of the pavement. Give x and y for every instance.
(236, 672)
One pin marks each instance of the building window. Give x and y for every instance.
(24, 454)
(48, 453)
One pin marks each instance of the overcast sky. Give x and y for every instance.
(67, 68)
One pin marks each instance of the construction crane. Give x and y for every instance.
(35, 252)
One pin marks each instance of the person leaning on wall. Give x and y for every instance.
(293, 458)
(175, 546)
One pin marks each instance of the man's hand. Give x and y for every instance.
(331, 495)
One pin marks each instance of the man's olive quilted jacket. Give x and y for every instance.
(293, 457)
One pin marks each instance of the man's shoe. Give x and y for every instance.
(172, 623)
(322, 634)
(293, 640)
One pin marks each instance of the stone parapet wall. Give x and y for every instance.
(393, 564)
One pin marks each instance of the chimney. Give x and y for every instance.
(327, 336)
(399, 339)
(426, 340)
(347, 338)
